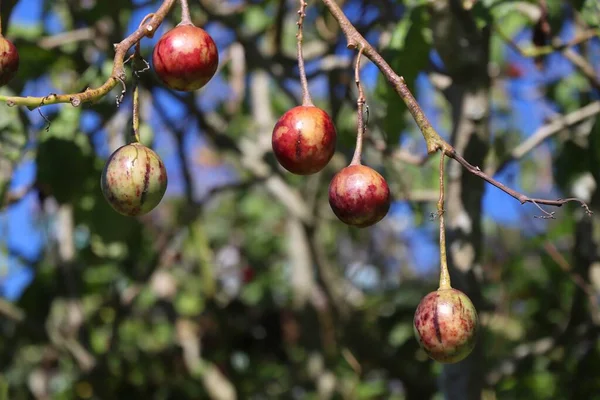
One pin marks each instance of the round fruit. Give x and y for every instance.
(134, 180)
(9, 60)
(304, 140)
(359, 196)
(185, 58)
(446, 325)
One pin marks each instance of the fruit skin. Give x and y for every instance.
(185, 58)
(359, 196)
(446, 325)
(134, 180)
(304, 139)
(9, 60)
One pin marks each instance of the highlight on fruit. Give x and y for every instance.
(134, 180)
(9, 60)
(359, 196)
(446, 325)
(185, 58)
(304, 140)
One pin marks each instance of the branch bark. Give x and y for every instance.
(117, 76)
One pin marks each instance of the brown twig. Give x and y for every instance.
(519, 196)
(354, 40)
(306, 100)
(360, 105)
(118, 72)
(433, 140)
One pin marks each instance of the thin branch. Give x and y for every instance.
(360, 105)
(558, 46)
(64, 38)
(548, 130)
(118, 72)
(355, 39)
(519, 196)
(584, 66)
(433, 140)
(306, 100)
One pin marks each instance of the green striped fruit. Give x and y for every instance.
(134, 180)
(446, 325)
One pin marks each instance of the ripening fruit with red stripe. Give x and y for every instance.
(446, 325)
(134, 180)
(359, 196)
(303, 140)
(185, 58)
(9, 60)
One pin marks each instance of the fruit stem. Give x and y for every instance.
(0, 18)
(136, 96)
(360, 104)
(186, 18)
(444, 274)
(306, 100)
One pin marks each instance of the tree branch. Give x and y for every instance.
(118, 72)
(548, 130)
(355, 39)
(565, 47)
(519, 196)
(432, 138)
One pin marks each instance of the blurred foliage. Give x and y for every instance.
(208, 293)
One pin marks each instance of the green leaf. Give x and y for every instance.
(256, 19)
(590, 12)
(400, 334)
(62, 168)
(13, 139)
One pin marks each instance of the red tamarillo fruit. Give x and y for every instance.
(185, 58)
(134, 180)
(359, 196)
(446, 325)
(304, 140)
(9, 60)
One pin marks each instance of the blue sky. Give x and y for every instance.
(24, 234)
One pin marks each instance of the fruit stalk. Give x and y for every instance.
(136, 96)
(360, 105)
(186, 18)
(444, 274)
(306, 100)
